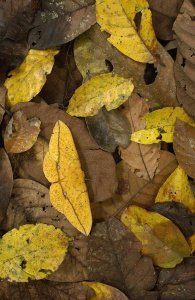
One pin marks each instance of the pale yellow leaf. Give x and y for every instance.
(106, 89)
(27, 80)
(160, 125)
(68, 192)
(117, 18)
(177, 188)
(104, 291)
(192, 242)
(32, 252)
(160, 238)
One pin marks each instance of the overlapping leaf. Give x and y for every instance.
(28, 252)
(68, 192)
(117, 18)
(160, 238)
(104, 291)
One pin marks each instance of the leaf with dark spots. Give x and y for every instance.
(30, 203)
(114, 258)
(6, 182)
(178, 283)
(109, 129)
(184, 146)
(178, 214)
(60, 22)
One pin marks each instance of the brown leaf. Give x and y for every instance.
(178, 214)
(98, 166)
(6, 182)
(21, 133)
(114, 258)
(109, 129)
(60, 22)
(30, 203)
(141, 159)
(2, 102)
(184, 146)
(178, 283)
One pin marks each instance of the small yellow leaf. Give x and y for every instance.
(160, 238)
(117, 18)
(32, 252)
(21, 134)
(160, 125)
(177, 188)
(106, 89)
(27, 80)
(101, 290)
(68, 192)
(192, 242)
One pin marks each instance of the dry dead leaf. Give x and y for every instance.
(30, 203)
(184, 146)
(177, 188)
(6, 182)
(141, 159)
(98, 165)
(94, 55)
(118, 19)
(21, 133)
(160, 238)
(178, 283)
(114, 258)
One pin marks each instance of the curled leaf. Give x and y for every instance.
(161, 239)
(160, 125)
(28, 252)
(106, 89)
(21, 134)
(26, 81)
(177, 188)
(68, 192)
(117, 18)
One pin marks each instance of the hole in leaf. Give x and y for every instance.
(34, 44)
(23, 264)
(109, 65)
(28, 241)
(150, 74)
(137, 20)
(43, 208)
(183, 62)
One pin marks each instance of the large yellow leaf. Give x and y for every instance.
(160, 125)
(117, 18)
(106, 89)
(31, 252)
(27, 80)
(177, 188)
(160, 238)
(68, 192)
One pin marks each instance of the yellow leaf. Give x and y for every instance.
(117, 18)
(32, 252)
(160, 125)
(160, 238)
(27, 80)
(177, 188)
(68, 192)
(192, 242)
(106, 89)
(101, 290)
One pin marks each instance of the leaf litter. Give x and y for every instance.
(97, 155)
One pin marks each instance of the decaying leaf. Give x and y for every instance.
(161, 239)
(178, 214)
(21, 134)
(6, 182)
(28, 252)
(30, 203)
(192, 242)
(2, 102)
(109, 129)
(105, 89)
(141, 159)
(26, 81)
(114, 258)
(117, 18)
(68, 192)
(160, 125)
(184, 146)
(59, 22)
(178, 283)
(98, 165)
(177, 188)
(104, 291)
